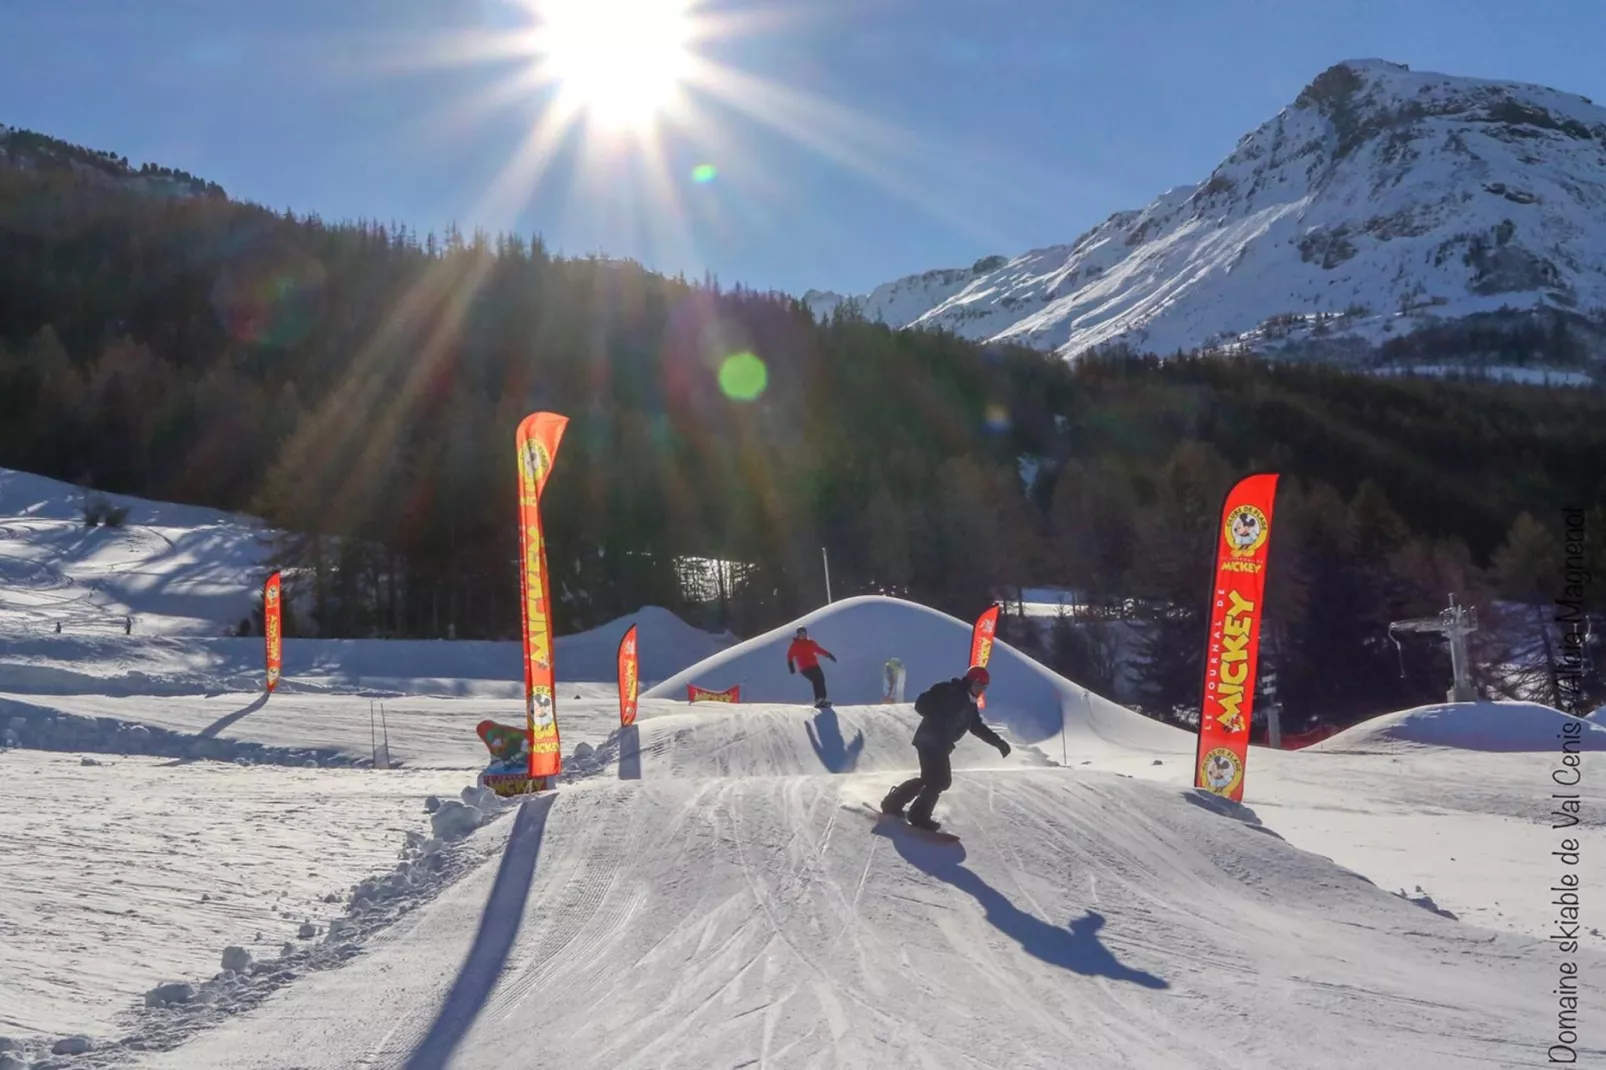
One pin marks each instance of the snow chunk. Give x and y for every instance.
(237, 959)
(454, 820)
(173, 992)
(77, 1045)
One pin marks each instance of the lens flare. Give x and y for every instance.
(996, 417)
(742, 376)
(704, 172)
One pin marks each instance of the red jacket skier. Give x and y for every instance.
(806, 653)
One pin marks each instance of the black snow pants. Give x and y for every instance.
(816, 676)
(936, 775)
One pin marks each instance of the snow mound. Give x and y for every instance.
(1500, 727)
(665, 645)
(865, 632)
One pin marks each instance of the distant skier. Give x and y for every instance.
(806, 653)
(947, 711)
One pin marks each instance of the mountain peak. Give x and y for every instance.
(1381, 200)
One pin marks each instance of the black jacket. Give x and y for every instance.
(947, 712)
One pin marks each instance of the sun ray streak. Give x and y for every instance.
(513, 186)
(861, 145)
(460, 113)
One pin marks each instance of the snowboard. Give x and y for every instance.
(935, 837)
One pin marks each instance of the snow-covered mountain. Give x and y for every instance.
(1381, 200)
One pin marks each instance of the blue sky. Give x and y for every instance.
(932, 132)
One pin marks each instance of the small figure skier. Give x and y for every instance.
(806, 653)
(947, 711)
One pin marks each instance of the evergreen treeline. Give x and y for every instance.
(39, 151)
(358, 384)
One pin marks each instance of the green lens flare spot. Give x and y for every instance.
(704, 172)
(742, 376)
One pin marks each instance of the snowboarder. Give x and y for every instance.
(947, 711)
(806, 653)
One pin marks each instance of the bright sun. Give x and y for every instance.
(618, 62)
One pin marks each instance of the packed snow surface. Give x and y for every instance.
(1477, 726)
(134, 871)
(750, 911)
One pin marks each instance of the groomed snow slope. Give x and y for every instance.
(187, 575)
(178, 569)
(760, 917)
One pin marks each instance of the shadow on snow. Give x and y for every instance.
(825, 736)
(499, 927)
(1076, 948)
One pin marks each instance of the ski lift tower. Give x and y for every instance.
(1456, 623)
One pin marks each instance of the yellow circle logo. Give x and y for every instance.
(536, 460)
(1246, 530)
(1221, 771)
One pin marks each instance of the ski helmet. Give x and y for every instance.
(978, 675)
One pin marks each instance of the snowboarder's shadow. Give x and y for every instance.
(825, 736)
(1076, 948)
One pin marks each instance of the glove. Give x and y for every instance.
(831, 656)
(1003, 748)
(791, 668)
